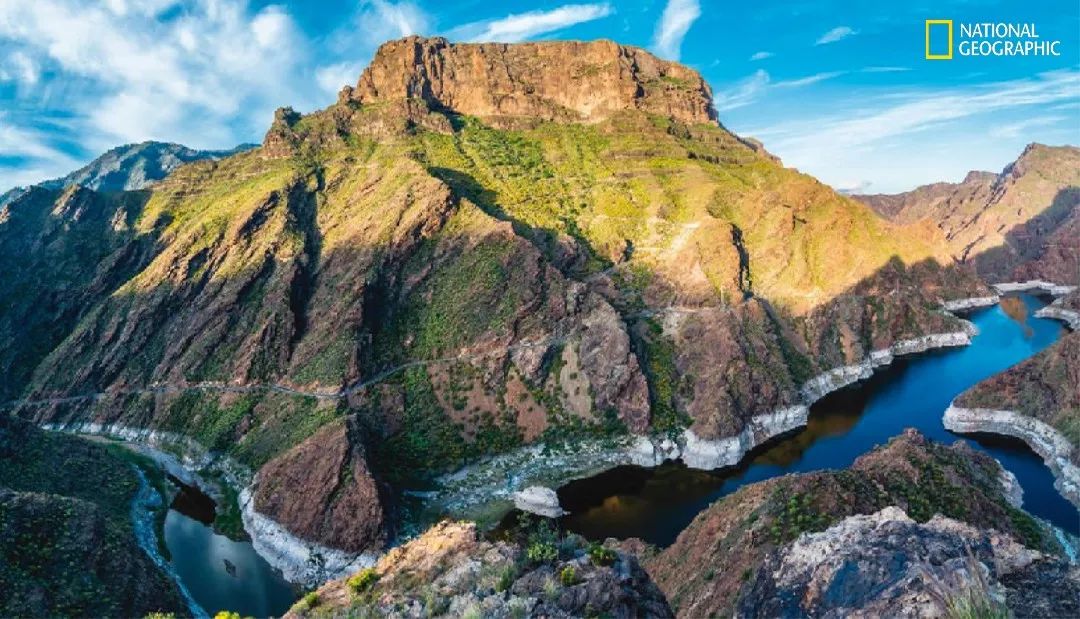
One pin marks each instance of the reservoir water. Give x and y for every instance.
(220, 573)
(655, 504)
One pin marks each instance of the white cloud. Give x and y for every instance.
(675, 22)
(852, 186)
(146, 78)
(346, 51)
(834, 35)
(808, 80)
(21, 69)
(909, 137)
(1019, 129)
(919, 110)
(762, 55)
(884, 69)
(381, 20)
(744, 93)
(753, 87)
(209, 75)
(33, 146)
(523, 26)
(332, 78)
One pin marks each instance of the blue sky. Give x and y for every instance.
(838, 89)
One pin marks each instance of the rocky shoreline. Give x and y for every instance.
(1050, 444)
(299, 561)
(960, 305)
(498, 479)
(1054, 311)
(1036, 285)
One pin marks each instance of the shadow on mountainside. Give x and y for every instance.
(1045, 247)
(61, 250)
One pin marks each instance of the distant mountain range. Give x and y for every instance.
(129, 167)
(1023, 223)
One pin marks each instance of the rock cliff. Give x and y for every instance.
(554, 80)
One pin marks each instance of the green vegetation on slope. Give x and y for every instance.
(67, 544)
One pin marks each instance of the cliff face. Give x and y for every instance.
(610, 261)
(340, 499)
(886, 564)
(558, 80)
(746, 553)
(1017, 225)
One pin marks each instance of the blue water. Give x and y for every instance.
(253, 589)
(655, 504)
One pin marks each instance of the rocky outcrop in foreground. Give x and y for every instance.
(728, 557)
(887, 565)
(449, 572)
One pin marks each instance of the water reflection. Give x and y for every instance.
(220, 573)
(1015, 308)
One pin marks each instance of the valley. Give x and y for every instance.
(489, 267)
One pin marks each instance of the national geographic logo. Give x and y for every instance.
(986, 39)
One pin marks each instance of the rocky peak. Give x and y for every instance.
(551, 80)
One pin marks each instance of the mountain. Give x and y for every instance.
(68, 545)
(136, 166)
(129, 167)
(897, 534)
(1017, 225)
(476, 248)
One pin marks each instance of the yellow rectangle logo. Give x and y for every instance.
(939, 22)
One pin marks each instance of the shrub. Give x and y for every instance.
(601, 556)
(310, 600)
(969, 596)
(542, 552)
(568, 576)
(506, 579)
(363, 580)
